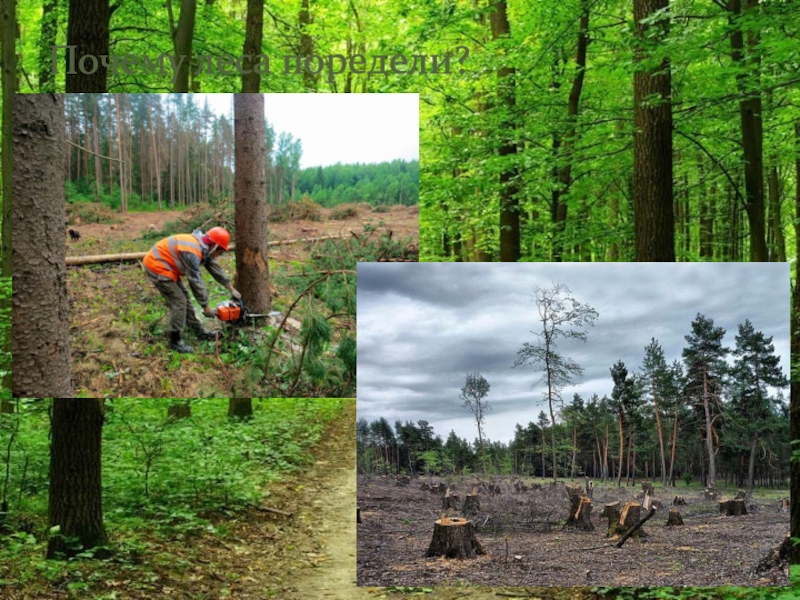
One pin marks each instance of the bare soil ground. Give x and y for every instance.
(117, 317)
(527, 545)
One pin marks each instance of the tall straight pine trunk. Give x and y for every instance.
(252, 267)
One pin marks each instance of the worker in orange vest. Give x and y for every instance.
(181, 256)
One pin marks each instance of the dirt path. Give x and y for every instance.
(334, 504)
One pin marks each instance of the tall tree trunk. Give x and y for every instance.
(122, 179)
(660, 441)
(254, 35)
(306, 46)
(98, 165)
(49, 31)
(654, 223)
(621, 448)
(87, 30)
(76, 506)
(252, 267)
(568, 142)
(40, 315)
(9, 65)
(674, 444)
(155, 151)
(779, 243)
(750, 115)
(712, 468)
(240, 408)
(506, 92)
(182, 36)
(795, 389)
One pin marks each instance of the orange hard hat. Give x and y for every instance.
(220, 236)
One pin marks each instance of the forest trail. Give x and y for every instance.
(309, 556)
(334, 503)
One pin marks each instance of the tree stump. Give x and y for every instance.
(724, 506)
(674, 517)
(785, 505)
(678, 501)
(709, 494)
(740, 495)
(630, 516)
(450, 501)
(647, 488)
(580, 514)
(425, 487)
(777, 557)
(612, 511)
(454, 538)
(472, 504)
(736, 508)
(442, 487)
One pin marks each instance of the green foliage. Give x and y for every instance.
(382, 184)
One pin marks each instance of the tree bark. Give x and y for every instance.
(9, 66)
(87, 30)
(750, 111)
(155, 150)
(123, 204)
(254, 35)
(506, 90)
(40, 314)
(182, 36)
(654, 223)
(252, 267)
(75, 477)
(711, 481)
(49, 31)
(306, 46)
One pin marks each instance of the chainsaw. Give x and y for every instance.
(234, 311)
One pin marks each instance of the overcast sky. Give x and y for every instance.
(423, 326)
(345, 128)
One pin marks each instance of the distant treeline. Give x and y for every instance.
(395, 182)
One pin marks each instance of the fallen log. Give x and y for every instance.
(131, 256)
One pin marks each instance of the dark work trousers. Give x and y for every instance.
(181, 310)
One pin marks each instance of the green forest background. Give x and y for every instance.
(539, 124)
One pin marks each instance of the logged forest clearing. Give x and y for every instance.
(117, 317)
(172, 245)
(526, 539)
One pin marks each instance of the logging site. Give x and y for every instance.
(551, 439)
(202, 246)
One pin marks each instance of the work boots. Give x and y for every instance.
(203, 334)
(177, 344)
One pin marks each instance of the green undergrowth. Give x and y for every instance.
(165, 485)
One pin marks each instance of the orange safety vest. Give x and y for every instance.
(163, 257)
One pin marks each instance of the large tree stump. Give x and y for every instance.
(472, 504)
(580, 509)
(723, 506)
(674, 518)
(647, 488)
(612, 511)
(630, 516)
(454, 538)
(736, 508)
(580, 517)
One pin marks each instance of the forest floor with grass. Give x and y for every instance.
(526, 542)
(118, 320)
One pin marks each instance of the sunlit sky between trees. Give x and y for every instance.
(340, 128)
(423, 326)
